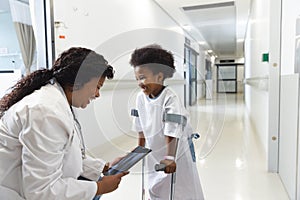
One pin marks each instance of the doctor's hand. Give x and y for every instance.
(109, 183)
(170, 166)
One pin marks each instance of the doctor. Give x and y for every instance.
(42, 150)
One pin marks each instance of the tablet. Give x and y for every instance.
(128, 161)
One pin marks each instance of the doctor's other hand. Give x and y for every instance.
(109, 183)
(170, 166)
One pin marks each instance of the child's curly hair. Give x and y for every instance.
(155, 58)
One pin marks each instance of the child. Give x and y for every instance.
(152, 65)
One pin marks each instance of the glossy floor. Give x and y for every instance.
(230, 159)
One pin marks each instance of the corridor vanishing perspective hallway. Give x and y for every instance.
(231, 162)
(235, 168)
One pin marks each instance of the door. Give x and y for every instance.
(190, 60)
(226, 78)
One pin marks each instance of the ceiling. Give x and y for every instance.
(218, 26)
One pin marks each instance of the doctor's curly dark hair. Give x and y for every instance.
(74, 67)
(155, 58)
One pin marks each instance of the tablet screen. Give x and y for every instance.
(129, 160)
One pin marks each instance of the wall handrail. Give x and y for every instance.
(259, 82)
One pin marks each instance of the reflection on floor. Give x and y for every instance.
(230, 159)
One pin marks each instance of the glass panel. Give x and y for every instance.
(208, 75)
(227, 72)
(193, 93)
(193, 69)
(227, 86)
(297, 47)
(193, 72)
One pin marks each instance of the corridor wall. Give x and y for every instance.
(115, 28)
(273, 31)
(256, 43)
(289, 157)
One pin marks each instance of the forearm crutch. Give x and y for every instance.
(143, 179)
(181, 120)
(161, 167)
(135, 113)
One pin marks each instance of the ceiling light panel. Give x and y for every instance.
(207, 6)
(217, 23)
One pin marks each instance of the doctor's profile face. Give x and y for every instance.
(84, 95)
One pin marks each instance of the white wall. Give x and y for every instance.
(257, 43)
(115, 28)
(280, 30)
(289, 104)
(8, 78)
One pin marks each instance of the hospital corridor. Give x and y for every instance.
(231, 165)
(98, 78)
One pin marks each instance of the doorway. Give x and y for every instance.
(190, 61)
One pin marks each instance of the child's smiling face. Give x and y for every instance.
(150, 83)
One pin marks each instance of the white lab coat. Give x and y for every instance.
(40, 150)
(150, 122)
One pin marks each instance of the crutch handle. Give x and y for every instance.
(160, 167)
